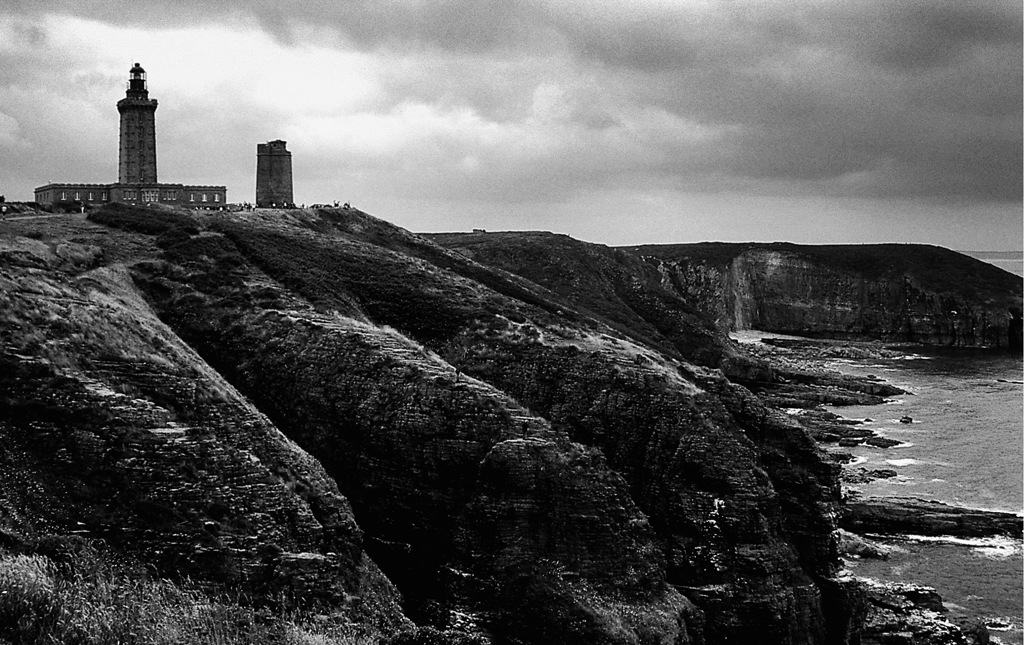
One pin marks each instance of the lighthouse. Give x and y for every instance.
(137, 155)
(136, 167)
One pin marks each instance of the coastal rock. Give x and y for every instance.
(884, 291)
(908, 516)
(910, 614)
(851, 544)
(863, 475)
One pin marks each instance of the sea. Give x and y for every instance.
(964, 446)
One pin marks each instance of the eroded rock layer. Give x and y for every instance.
(271, 399)
(114, 428)
(891, 292)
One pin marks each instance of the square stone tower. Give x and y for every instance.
(273, 175)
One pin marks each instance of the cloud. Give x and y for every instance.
(531, 101)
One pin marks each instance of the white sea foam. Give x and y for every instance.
(995, 547)
(894, 402)
(902, 462)
(999, 625)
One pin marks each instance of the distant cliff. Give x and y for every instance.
(894, 292)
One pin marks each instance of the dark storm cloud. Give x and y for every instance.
(819, 91)
(868, 97)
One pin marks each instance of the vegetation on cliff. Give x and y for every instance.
(68, 591)
(274, 404)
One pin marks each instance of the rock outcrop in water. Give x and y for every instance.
(905, 515)
(284, 400)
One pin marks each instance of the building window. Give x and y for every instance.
(170, 195)
(78, 196)
(63, 195)
(204, 197)
(90, 196)
(216, 197)
(192, 197)
(151, 196)
(103, 196)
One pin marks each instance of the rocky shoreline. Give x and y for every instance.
(802, 372)
(803, 385)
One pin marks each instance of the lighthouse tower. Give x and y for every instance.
(136, 168)
(137, 158)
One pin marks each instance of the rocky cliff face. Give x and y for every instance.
(522, 464)
(111, 427)
(889, 292)
(629, 294)
(680, 481)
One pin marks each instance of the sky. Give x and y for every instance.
(615, 121)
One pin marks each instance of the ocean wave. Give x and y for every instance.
(994, 548)
(899, 463)
(1000, 623)
(898, 480)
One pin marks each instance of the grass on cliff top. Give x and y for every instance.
(87, 597)
(429, 296)
(148, 220)
(610, 284)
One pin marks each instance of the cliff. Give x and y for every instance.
(286, 400)
(891, 292)
(113, 429)
(620, 289)
(551, 464)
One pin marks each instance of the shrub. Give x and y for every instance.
(90, 597)
(150, 221)
(173, 237)
(29, 605)
(433, 636)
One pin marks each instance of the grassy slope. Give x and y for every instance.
(613, 286)
(115, 429)
(74, 593)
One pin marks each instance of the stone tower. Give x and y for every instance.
(137, 158)
(273, 174)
